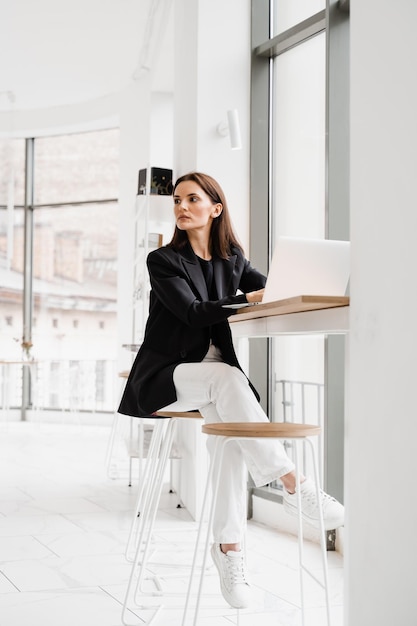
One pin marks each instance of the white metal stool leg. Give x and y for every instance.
(151, 505)
(146, 485)
(216, 461)
(147, 506)
(163, 435)
(322, 534)
(216, 458)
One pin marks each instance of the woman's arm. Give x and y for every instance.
(174, 291)
(251, 279)
(255, 296)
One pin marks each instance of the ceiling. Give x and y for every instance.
(59, 52)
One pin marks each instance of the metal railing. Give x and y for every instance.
(65, 385)
(302, 401)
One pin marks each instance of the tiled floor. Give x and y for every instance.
(63, 531)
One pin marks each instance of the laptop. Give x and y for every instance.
(303, 266)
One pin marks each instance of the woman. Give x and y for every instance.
(187, 361)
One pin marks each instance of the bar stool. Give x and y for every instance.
(147, 504)
(228, 432)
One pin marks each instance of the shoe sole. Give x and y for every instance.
(311, 521)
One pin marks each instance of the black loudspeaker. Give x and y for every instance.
(160, 183)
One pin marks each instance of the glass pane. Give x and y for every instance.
(12, 172)
(11, 282)
(299, 140)
(287, 13)
(299, 210)
(77, 168)
(299, 385)
(75, 290)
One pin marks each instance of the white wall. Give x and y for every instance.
(212, 76)
(381, 432)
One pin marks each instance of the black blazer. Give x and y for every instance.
(178, 326)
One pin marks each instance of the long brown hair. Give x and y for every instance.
(222, 236)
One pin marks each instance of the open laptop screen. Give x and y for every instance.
(302, 266)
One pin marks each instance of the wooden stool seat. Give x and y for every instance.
(262, 429)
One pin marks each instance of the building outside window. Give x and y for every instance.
(12, 192)
(74, 234)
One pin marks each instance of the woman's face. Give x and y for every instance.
(193, 208)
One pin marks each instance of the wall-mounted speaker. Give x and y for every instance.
(160, 182)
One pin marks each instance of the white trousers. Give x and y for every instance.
(222, 394)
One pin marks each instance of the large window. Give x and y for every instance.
(298, 59)
(12, 175)
(74, 269)
(298, 209)
(298, 109)
(73, 230)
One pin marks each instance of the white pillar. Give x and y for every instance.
(381, 429)
(134, 154)
(212, 76)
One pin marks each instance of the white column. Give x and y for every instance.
(381, 429)
(134, 155)
(212, 72)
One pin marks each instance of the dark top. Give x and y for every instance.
(182, 319)
(207, 267)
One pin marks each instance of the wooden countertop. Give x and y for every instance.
(296, 304)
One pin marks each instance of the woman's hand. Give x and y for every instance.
(255, 296)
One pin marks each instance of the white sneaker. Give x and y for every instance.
(232, 571)
(333, 511)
